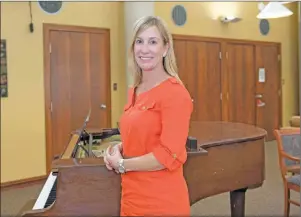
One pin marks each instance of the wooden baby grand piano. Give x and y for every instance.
(229, 158)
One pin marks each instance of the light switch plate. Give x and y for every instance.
(115, 86)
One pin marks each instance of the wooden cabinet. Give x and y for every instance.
(222, 76)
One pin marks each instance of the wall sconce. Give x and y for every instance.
(230, 19)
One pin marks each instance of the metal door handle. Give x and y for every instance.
(103, 106)
(258, 96)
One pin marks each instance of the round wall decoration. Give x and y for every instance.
(179, 15)
(50, 7)
(264, 26)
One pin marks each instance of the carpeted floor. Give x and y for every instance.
(265, 201)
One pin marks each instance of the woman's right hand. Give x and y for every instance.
(107, 163)
(111, 150)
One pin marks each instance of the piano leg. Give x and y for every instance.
(237, 200)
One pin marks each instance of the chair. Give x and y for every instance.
(295, 121)
(289, 150)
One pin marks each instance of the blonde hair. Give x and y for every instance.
(169, 61)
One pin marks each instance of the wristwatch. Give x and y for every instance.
(121, 168)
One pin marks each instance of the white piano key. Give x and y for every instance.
(41, 201)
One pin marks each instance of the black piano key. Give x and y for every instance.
(52, 196)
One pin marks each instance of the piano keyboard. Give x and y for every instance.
(48, 193)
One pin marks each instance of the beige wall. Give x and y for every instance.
(22, 113)
(299, 53)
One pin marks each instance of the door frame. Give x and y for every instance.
(224, 72)
(47, 27)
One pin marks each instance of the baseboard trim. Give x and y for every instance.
(23, 182)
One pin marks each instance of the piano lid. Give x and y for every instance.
(215, 133)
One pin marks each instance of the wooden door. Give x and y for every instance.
(268, 88)
(199, 68)
(222, 77)
(78, 81)
(241, 83)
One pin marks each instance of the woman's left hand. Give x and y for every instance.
(113, 156)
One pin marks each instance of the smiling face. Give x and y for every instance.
(149, 49)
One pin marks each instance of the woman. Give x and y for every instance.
(154, 128)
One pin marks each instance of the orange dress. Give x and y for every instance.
(158, 122)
